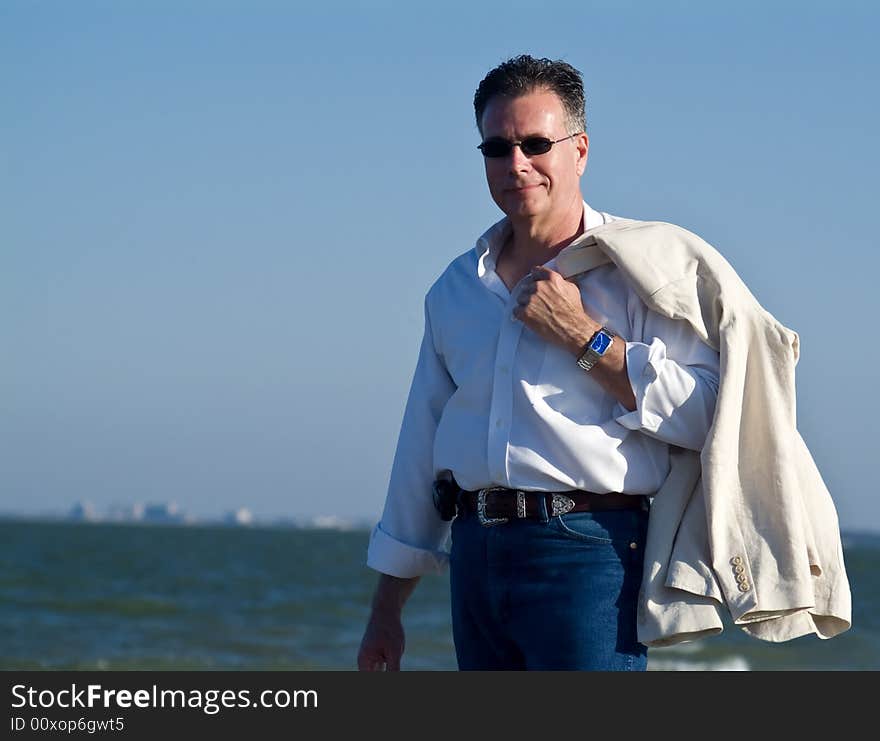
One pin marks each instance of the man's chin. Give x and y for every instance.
(524, 204)
(524, 208)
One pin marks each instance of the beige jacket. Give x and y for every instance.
(747, 525)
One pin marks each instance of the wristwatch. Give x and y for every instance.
(598, 345)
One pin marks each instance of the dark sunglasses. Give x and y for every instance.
(530, 147)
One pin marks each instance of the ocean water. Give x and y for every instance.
(112, 596)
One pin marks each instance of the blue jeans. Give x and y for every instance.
(552, 593)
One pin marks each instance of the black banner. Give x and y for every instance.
(261, 705)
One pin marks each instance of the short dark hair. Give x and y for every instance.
(525, 74)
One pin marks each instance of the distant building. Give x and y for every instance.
(332, 522)
(164, 513)
(241, 516)
(83, 512)
(126, 512)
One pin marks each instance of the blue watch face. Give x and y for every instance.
(600, 343)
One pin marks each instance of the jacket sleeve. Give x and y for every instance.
(409, 539)
(674, 378)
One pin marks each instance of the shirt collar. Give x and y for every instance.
(490, 243)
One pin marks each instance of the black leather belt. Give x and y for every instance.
(497, 504)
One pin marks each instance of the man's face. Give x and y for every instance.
(543, 186)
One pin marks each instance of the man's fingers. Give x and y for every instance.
(372, 665)
(371, 659)
(384, 662)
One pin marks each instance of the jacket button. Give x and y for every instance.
(744, 586)
(736, 560)
(739, 569)
(633, 545)
(742, 578)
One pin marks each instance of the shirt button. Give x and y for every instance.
(499, 423)
(504, 369)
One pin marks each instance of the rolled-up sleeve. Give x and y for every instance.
(410, 538)
(674, 378)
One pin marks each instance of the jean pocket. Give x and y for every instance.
(602, 528)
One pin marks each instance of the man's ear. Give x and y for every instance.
(582, 143)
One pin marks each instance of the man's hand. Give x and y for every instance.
(551, 307)
(383, 641)
(382, 644)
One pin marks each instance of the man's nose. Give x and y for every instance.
(517, 159)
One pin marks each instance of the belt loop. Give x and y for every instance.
(542, 507)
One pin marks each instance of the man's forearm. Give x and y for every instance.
(610, 371)
(392, 592)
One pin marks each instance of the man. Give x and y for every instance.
(547, 406)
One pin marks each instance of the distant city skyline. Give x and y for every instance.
(220, 221)
(170, 513)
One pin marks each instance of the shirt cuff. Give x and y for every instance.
(395, 558)
(644, 363)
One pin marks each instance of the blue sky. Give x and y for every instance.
(218, 222)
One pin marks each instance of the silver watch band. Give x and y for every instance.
(590, 356)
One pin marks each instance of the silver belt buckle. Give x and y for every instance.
(561, 504)
(481, 508)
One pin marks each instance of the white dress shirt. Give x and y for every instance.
(496, 405)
